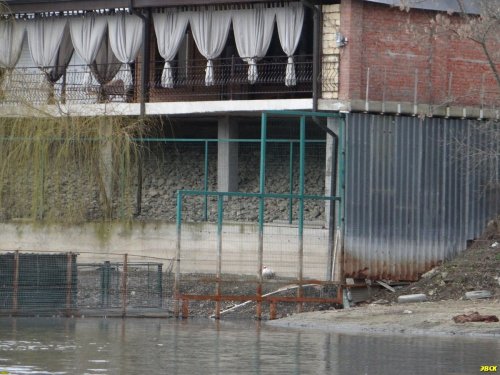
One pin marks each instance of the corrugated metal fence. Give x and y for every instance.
(413, 197)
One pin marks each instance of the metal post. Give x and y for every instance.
(262, 185)
(105, 281)
(124, 285)
(145, 60)
(332, 204)
(301, 209)
(122, 184)
(178, 255)
(220, 201)
(316, 54)
(290, 200)
(15, 286)
(341, 155)
(415, 94)
(69, 283)
(272, 310)
(160, 285)
(205, 184)
(367, 93)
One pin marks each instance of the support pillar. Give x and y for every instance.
(227, 155)
(106, 167)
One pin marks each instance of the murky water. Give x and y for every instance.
(153, 346)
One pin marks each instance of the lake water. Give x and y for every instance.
(159, 346)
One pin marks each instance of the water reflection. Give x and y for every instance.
(149, 346)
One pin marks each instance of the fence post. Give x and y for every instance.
(220, 213)
(124, 285)
(160, 285)
(69, 282)
(290, 200)
(262, 185)
(15, 286)
(301, 209)
(205, 184)
(178, 255)
(105, 283)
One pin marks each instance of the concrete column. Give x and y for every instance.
(227, 155)
(106, 165)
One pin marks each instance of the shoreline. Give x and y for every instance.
(417, 319)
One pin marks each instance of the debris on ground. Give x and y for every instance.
(475, 317)
(475, 269)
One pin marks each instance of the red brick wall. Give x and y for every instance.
(442, 67)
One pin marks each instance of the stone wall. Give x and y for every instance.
(181, 167)
(167, 168)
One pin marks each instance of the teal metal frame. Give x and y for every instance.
(262, 195)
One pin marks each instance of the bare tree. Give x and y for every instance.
(476, 21)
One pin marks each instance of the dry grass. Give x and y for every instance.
(57, 169)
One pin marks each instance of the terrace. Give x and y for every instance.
(164, 56)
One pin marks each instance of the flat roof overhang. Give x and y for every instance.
(34, 6)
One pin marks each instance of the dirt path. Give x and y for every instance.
(425, 318)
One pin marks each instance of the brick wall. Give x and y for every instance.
(407, 64)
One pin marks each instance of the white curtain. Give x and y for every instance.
(44, 39)
(210, 30)
(11, 42)
(253, 30)
(170, 29)
(290, 20)
(87, 33)
(125, 38)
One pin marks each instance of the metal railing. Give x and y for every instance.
(31, 85)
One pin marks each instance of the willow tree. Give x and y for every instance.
(53, 168)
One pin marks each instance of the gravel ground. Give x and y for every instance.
(425, 318)
(477, 268)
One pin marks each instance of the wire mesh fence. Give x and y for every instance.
(59, 284)
(121, 83)
(170, 165)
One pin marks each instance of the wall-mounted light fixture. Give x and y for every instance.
(340, 40)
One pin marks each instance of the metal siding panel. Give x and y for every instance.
(412, 200)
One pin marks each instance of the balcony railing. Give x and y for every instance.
(31, 85)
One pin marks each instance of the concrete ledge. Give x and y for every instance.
(169, 108)
(156, 241)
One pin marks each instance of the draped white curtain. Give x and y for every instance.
(44, 39)
(253, 30)
(11, 42)
(125, 38)
(87, 34)
(290, 20)
(170, 29)
(210, 30)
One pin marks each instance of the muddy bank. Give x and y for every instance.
(425, 318)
